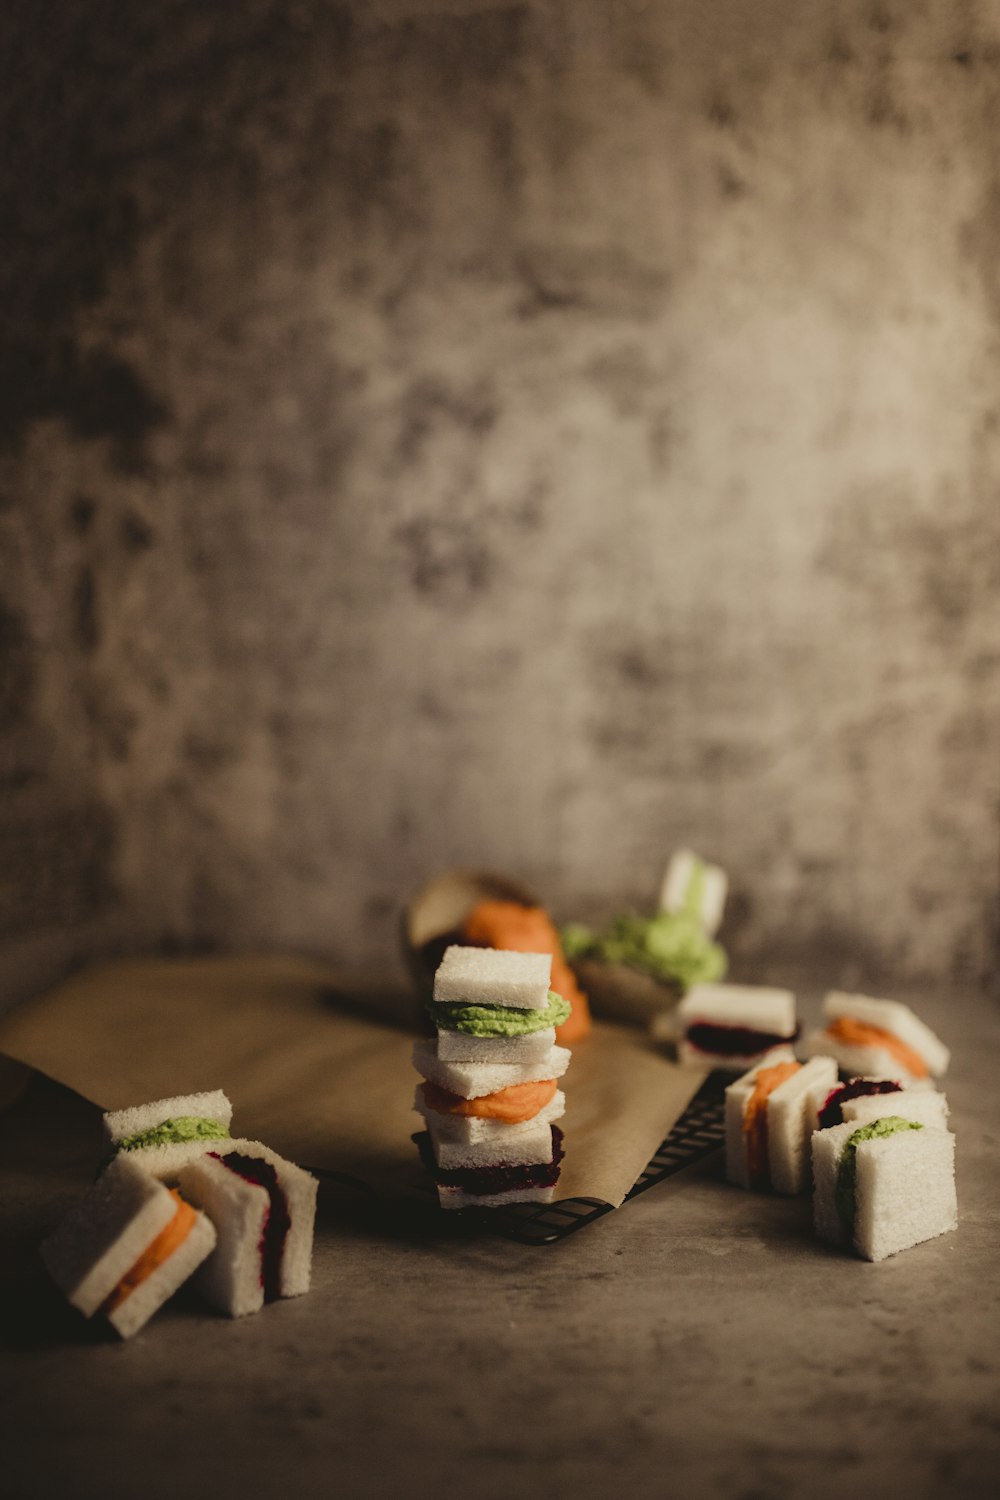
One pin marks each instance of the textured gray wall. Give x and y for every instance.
(520, 434)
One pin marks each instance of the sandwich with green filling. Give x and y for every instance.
(883, 1186)
(166, 1134)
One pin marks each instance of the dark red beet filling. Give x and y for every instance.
(832, 1114)
(277, 1220)
(733, 1041)
(484, 1181)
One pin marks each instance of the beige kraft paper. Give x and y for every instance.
(320, 1072)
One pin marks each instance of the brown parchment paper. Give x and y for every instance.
(316, 1069)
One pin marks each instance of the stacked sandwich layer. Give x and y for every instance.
(180, 1198)
(490, 1096)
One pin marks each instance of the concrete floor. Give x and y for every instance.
(697, 1342)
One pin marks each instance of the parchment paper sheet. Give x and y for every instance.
(314, 1072)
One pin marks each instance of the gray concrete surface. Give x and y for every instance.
(695, 1343)
(523, 434)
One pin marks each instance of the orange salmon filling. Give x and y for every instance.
(860, 1034)
(529, 929)
(521, 1101)
(755, 1117)
(169, 1239)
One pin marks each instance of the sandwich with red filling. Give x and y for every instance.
(735, 1026)
(263, 1209)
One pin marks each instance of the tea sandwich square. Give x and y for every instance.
(880, 1038)
(771, 1113)
(883, 1186)
(735, 1026)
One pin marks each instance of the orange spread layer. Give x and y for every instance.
(861, 1034)
(755, 1117)
(521, 1101)
(169, 1239)
(529, 929)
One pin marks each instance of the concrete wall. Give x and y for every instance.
(527, 435)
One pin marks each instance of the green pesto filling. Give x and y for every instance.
(173, 1132)
(847, 1167)
(499, 1020)
(672, 946)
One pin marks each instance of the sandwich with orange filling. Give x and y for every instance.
(771, 1113)
(126, 1247)
(879, 1039)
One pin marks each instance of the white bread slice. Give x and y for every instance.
(140, 1305)
(905, 1191)
(473, 1080)
(714, 887)
(896, 1018)
(516, 1148)
(455, 1046)
(925, 1105)
(792, 1109)
(905, 1188)
(493, 976)
(757, 1006)
(103, 1235)
(827, 1146)
(792, 1113)
(466, 1130)
(453, 1197)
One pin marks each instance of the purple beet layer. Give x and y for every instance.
(485, 1181)
(277, 1220)
(734, 1041)
(832, 1114)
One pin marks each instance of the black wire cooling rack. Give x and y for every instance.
(698, 1133)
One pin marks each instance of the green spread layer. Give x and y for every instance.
(499, 1020)
(671, 946)
(172, 1132)
(847, 1167)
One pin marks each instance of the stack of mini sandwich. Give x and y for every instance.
(180, 1197)
(490, 1096)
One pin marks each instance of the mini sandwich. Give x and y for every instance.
(863, 1100)
(693, 886)
(884, 1186)
(734, 1027)
(880, 1038)
(263, 1209)
(491, 1091)
(164, 1135)
(771, 1113)
(496, 1185)
(126, 1247)
(495, 1006)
